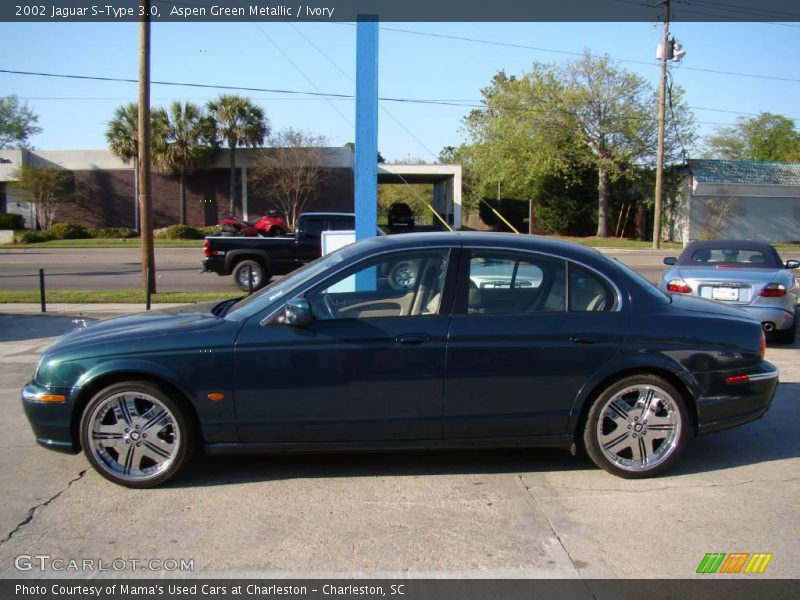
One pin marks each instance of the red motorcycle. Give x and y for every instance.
(269, 225)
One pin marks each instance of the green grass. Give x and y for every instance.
(107, 243)
(111, 297)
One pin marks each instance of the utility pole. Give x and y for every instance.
(143, 126)
(662, 93)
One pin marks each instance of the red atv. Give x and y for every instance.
(269, 225)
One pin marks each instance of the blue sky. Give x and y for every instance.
(320, 57)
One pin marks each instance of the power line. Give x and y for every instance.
(573, 53)
(318, 95)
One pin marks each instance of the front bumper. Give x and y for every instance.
(51, 421)
(728, 405)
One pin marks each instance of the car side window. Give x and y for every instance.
(401, 284)
(509, 283)
(588, 292)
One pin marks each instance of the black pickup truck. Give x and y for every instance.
(263, 257)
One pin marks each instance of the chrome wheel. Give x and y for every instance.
(637, 427)
(403, 276)
(134, 435)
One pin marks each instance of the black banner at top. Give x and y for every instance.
(399, 10)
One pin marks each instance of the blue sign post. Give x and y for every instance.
(366, 156)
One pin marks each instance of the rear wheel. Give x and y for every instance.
(247, 270)
(134, 434)
(637, 427)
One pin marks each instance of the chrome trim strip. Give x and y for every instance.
(764, 376)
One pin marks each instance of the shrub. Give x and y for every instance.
(114, 233)
(179, 232)
(67, 231)
(32, 237)
(11, 221)
(210, 230)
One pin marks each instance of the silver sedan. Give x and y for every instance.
(750, 275)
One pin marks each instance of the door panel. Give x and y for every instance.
(530, 331)
(369, 367)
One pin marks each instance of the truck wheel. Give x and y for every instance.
(247, 269)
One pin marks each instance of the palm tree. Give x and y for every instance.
(237, 122)
(187, 145)
(123, 140)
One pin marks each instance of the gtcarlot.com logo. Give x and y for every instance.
(735, 562)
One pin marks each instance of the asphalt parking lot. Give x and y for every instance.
(499, 514)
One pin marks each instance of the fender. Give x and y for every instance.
(632, 360)
(233, 256)
(217, 419)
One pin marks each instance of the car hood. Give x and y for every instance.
(158, 329)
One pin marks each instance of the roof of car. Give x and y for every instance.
(770, 254)
(488, 240)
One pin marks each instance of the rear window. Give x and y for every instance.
(729, 256)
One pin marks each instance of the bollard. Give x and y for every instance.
(41, 290)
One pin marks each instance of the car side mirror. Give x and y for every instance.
(297, 312)
(670, 260)
(792, 264)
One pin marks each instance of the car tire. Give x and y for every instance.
(403, 276)
(241, 275)
(637, 427)
(114, 431)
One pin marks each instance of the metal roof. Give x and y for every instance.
(745, 172)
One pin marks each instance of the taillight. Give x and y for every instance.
(207, 251)
(679, 286)
(773, 290)
(762, 346)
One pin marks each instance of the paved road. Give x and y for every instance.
(532, 513)
(178, 269)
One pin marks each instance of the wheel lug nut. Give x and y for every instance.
(127, 441)
(127, 430)
(138, 444)
(635, 418)
(629, 426)
(144, 435)
(634, 435)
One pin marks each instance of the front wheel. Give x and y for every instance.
(134, 434)
(637, 427)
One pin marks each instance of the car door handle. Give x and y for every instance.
(583, 339)
(413, 339)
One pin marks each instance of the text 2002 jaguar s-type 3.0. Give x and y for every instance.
(442, 340)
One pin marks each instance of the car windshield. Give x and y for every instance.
(728, 256)
(257, 302)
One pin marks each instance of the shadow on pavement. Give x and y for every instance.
(14, 328)
(225, 470)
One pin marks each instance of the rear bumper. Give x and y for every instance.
(213, 265)
(732, 404)
(780, 317)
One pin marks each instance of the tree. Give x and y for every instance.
(521, 134)
(187, 145)
(17, 123)
(767, 137)
(237, 121)
(122, 135)
(291, 172)
(46, 188)
(552, 122)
